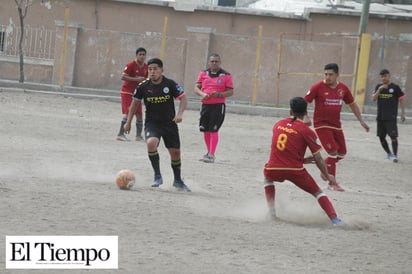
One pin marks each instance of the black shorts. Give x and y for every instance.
(169, 131)
(212, 117)
(388, 127)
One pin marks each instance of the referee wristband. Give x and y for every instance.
(220, 95)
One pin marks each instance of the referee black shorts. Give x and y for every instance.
(212, 117)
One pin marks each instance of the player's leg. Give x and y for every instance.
(271, 176)
(171, 140)
(381, 133)
(327, 139)
(270, 191)
(139, 122)
(392, 130)
(305, 181)
(126, 100)
(153, 136)
(204, 127)
(341, 145)
(218, 116)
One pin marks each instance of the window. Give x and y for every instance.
(227, 3)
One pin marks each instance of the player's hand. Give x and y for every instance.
(126, 128)
(205, 96)
(177, 119)
(332, 179)
(403, 118)
(365, 126)
(384, 86)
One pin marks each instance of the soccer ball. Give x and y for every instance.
(125, 179)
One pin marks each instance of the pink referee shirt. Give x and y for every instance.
(222, 81)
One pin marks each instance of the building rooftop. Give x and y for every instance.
(302, 7)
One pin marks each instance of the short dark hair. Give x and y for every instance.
(140, 49)
(384, 72)
(298, 105)
(332, 66)
(214, 55)
(156, 61)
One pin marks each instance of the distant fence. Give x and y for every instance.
(37, 43)
(290, 63)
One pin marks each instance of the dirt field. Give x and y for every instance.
(57, 177)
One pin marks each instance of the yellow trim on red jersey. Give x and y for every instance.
(285, 168)
(337, 128)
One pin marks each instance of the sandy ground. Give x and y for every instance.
(59, 159)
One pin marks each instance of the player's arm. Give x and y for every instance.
(227, 93)
(320, 163)
(306, 120)
(375, 96)
(355, 109)
(198, 91)
(182, 106)
(309, 160)
(132, 110)
(126, 77)
(402, 105)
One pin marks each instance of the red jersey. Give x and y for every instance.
(133, 69)
(328, 103)
(210, 82)
(289, 143)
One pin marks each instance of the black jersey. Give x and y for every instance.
(159, 99)
(388, 101)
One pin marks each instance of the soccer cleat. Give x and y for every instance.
(158, 180)
(209, 158)
(392, 157)
(272, 214)
(180, 185)
(336, 221)
(122, 138)
(204, 157)
(139, 138)
(335, 187)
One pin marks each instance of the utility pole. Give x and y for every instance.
(359, 83)
(364, 17)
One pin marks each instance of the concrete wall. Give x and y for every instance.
(103, 36)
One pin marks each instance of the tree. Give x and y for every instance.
(22, 7)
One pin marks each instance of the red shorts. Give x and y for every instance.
(301, 178)
(332, 140)
(127, 100)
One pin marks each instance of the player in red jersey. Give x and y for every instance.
(329, 96)
(291, 137)
(134, 73)
(213, 85)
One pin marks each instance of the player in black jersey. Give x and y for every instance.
(389, 96)
(158, 94)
